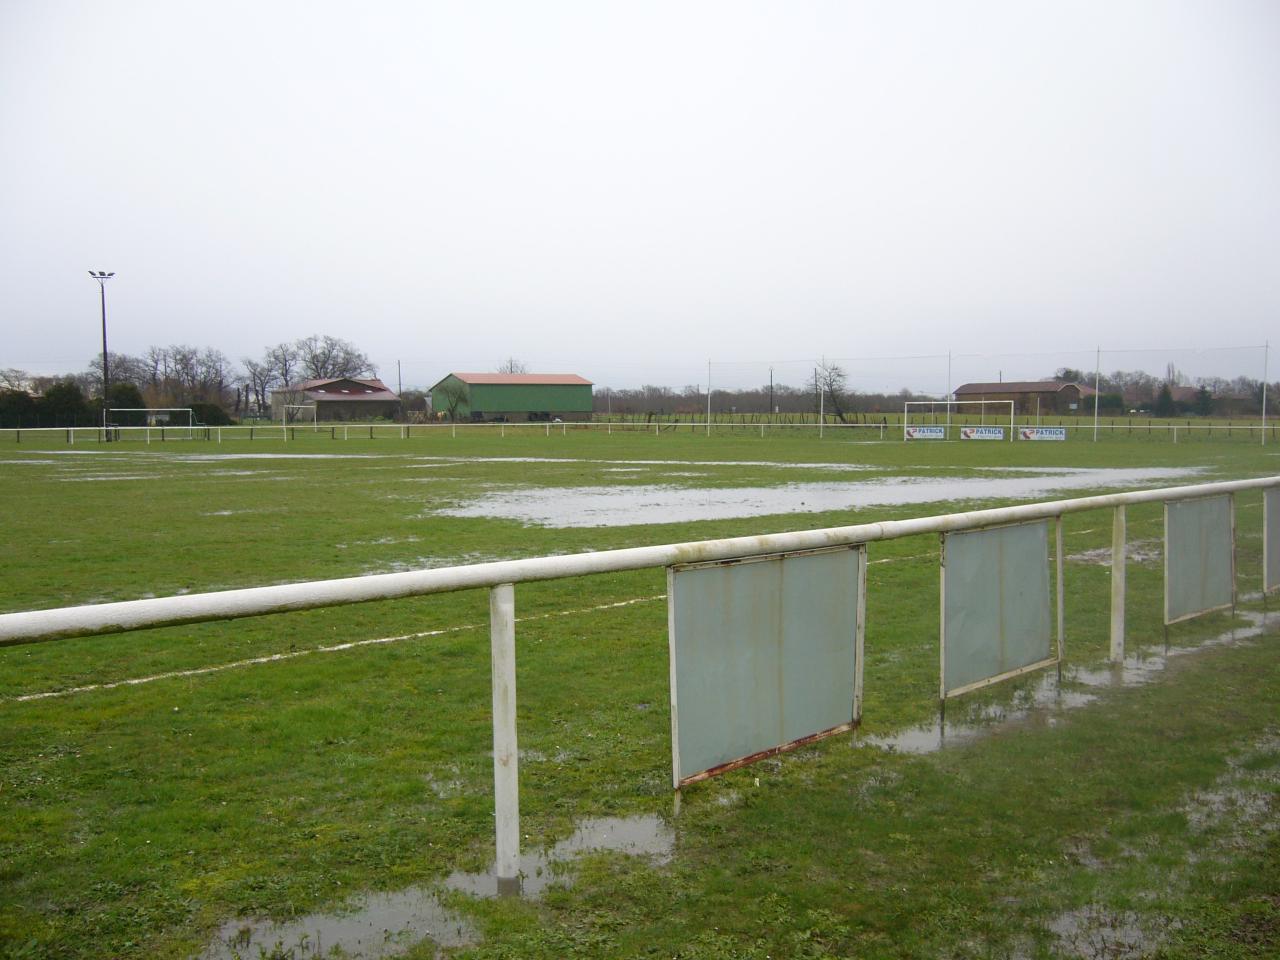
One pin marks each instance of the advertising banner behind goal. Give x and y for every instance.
(926, 433)
(982, 433)
(1042, 433)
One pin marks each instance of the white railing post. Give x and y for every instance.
(1117, 584)
(506, 775)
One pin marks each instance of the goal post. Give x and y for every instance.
(182, 418)
(928, 427)
(298, 413)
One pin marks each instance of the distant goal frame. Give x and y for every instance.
(150, 415)
(286, 422)
(949, 404)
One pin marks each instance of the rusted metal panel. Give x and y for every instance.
(1199, 557)
(763, 656)
(995, 605)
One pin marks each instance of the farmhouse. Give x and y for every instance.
(342, 398)
(512, 396)
(1054, 396)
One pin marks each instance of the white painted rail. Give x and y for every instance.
(886, 429)
(501, 576)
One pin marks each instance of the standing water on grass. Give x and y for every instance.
(609, 506)
(386, 924)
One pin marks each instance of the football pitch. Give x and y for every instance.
(266, 786)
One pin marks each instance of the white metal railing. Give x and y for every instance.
(403, 431)
(501, 576)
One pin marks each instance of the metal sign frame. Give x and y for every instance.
(1229, 605)
(1270, 528)
(858, 642)
(1056, 642)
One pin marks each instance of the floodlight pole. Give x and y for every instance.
(102, 277)
(1266, 351)
(1097, 380)
(708, 398)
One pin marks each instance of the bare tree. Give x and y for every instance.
(258, 378)
(831, 379)
(512, 365)
(282, 361)
(11, 378)
(455, 395)
(326, 357)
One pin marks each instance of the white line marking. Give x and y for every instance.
(335, 648)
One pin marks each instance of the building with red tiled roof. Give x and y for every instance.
(340, 398)
(1054, 396)
(512, 396)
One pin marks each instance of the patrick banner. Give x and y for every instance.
(1042, 433)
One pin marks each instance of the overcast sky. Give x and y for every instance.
(625, 190)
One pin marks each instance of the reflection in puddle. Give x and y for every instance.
(377, 925)
(386, 924)
(621, 505)
(647, 836)
(1040, 703)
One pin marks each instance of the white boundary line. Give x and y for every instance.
(294, 654)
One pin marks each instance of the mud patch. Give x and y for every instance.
(1093, 933)
(1146, 552)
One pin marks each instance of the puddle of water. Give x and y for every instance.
(839, 467)
(377, 925)
(1242, 797)
(1043, 701)
(562, 507)
(113, 476)
(645, 836)
(386, 924)
(266, 456)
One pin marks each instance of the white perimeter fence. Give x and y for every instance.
(806, 649)
(892, 428)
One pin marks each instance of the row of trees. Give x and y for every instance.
(828, 391)
(1174, 394)
(176, 376)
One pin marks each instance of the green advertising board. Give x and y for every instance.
(765, 653)
(1199, 557)
(995, 605)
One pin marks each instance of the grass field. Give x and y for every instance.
(254, 772)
